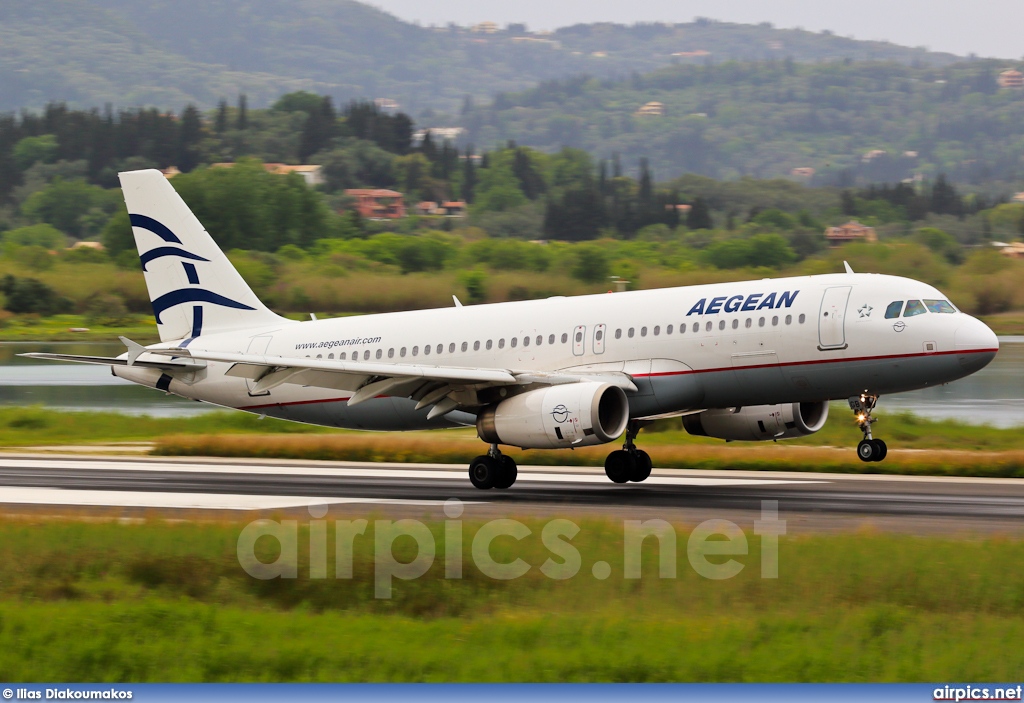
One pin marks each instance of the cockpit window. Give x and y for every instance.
(894, 309)
(914, 307)
(939, 306)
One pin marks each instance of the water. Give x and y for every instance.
(81, 386)
(994, 395)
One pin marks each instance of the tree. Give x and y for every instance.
(243, 113)
(318, 129)
(221, 123)
(468, 176)
(699, 216)
(188, 139)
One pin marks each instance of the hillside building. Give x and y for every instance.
(1011, 79)
(852, 231)
(654, 108)
(378, 203)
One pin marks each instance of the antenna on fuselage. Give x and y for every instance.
(848, 268)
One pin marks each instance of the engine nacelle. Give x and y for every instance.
(758, 423)
(568, 415)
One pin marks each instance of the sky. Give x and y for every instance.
(988, 28)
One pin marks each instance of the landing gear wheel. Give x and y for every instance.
(641, 466)
(484, 472)
(882, 449)
(619, 466)
(508, 473)
(868, 450)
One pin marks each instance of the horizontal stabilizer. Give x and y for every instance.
(109, 361)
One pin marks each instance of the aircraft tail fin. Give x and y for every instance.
(193, 287)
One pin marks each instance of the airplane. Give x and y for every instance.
(751, 360)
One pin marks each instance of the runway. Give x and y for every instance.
(813, 501)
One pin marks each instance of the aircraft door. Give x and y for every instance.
(599, 333)
(832, 317)
(257, 345)
(579, 340)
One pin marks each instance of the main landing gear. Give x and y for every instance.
(493, 469)
(629, 463)
(869, 449)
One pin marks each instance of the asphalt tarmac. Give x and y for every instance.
(809, 502)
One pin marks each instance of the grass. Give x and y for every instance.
(917, 445)
(35, 425)
(169, 602)
(58, 328)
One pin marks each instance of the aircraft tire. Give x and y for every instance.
(882, 449)
(867, 450)
(642, 465)
(508, 474)
(619, 466)
(484, 471)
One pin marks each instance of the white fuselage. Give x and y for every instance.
(721, 345)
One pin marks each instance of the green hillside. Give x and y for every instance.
(765, 118)
(165, 54)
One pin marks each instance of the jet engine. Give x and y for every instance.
(568, 415)
(758, 423)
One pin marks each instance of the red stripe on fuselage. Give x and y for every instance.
(816, 361)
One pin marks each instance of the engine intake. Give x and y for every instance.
(759, 423)
(569, 415)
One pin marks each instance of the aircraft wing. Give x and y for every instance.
(444, 387)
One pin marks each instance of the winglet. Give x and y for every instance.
(457, 303)
(848, 268)
(135, 350)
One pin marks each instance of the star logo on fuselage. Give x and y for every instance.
(865, 310)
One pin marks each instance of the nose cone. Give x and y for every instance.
(976, 344)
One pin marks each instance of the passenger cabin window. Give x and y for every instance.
(914, 308)
(489, 345)
(801, 318)
(630, 333)
(476, 346)
(501, 343)
(696, 326)
(657, 330)
(451, 348)
(440, 348)
(526, 341)
(513, 342)
(426, 349)
(668, 330)
(551, 339)
(618, 334)
(707, 327)
(380, 353)
(366, 355)
(894, 309)
(540, 339)
(643, 331)
(415, 351)
(942, 306)
(465, 346)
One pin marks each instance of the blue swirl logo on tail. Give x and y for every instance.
(193, 295)
(183, 295)
(157, 228)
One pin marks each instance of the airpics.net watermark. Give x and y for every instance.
(721, 539)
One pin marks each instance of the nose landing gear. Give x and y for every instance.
(629, 463)
(869, 448)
